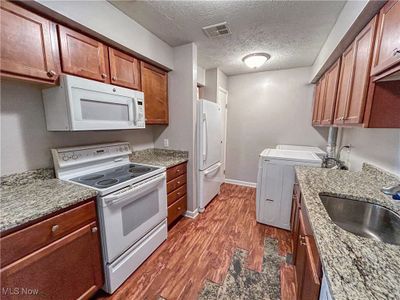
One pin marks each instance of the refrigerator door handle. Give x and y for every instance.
(205, 132)
(213, 169)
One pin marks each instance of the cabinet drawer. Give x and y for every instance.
(176, 209)
(176, 171)
(175, 183)
(175, 195)
(25, 241)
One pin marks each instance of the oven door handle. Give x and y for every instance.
(135, 191)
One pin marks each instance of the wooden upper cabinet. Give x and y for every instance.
(316, 118)
(28, 45)
(82, 55)
(155, 88)
(321, 100)
(344, 87)
(124, 69)
(363, 50)
(387, 43)
(332, 79)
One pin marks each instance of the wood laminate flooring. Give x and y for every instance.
(202, 248)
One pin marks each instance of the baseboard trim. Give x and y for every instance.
(192, 214)
(239, 182)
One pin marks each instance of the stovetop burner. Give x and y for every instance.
(107, 182)
(110, 177)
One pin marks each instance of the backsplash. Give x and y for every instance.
(26, 143)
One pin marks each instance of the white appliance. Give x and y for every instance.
(321, 153)
(131, 204)
(83, 104)
(275, 182)
(209, 152)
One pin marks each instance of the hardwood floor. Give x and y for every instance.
(202, 248)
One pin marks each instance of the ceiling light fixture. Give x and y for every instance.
(256, 60)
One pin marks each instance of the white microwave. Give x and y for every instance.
(79, 104)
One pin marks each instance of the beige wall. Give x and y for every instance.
(380, 147)
(25, 141)
(266, 109)
(182, 87)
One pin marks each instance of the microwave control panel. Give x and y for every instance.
(140, 122)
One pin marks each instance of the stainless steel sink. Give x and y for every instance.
(364, 219)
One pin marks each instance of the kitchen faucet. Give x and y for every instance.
(393, 190)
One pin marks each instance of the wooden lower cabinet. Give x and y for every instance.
(68, 268)
(305, 255)
(177, 192)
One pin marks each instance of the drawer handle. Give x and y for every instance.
(178, 193)
(55, 228)
(178, 170)
(103, 75)
(178, 182)
(179, 208)
(303, 240)
(94, 229)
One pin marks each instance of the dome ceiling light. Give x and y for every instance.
(256, 60)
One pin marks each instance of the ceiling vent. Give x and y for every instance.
(217, 30)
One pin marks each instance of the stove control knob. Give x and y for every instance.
(65, 158)
(121, 149)
(74, 156)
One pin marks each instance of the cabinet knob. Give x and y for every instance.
(178, 182)
(179, 208)
(103, 75)
(51, 73)
(114, 78)
(396, 51)
(303, 240)
(178, 193)
(55, 228)
(94, 229)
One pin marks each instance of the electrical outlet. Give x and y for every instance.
(166, 143)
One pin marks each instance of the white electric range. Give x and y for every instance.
(131, 203)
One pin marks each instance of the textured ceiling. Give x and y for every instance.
(291, 31)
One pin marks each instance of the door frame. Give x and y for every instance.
(224, 109)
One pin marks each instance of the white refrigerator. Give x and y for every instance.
(209, 151)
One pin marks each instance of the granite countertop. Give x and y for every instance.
(355, 267)
(34, 194)
(160, 157)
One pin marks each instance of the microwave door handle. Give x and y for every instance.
(137, 191)
(131, 103)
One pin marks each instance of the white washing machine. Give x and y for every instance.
(275, 183)
(321, 153)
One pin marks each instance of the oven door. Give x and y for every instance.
(129, 214)
(98, 106)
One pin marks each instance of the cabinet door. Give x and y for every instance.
(321, 100)
(387, 43)
(332, 79)
(301, 256)
(344, 87)
(69, 268)
(28, 45)
(155, 88)
(82, 55)
(124, 69)
(310, 280)
(316, 118)
(363, 47)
